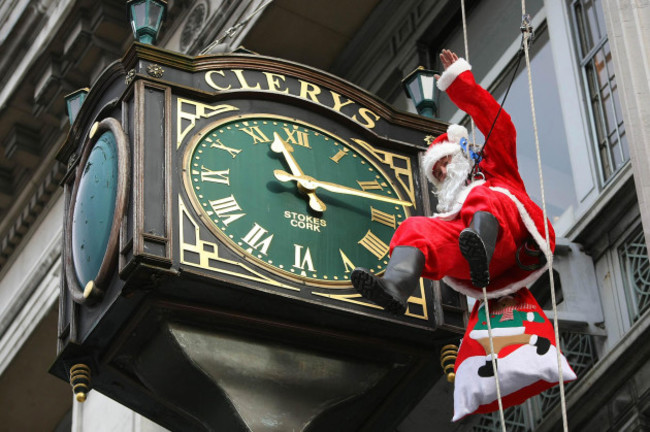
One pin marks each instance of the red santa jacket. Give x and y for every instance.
(499, 165)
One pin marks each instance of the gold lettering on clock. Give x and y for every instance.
(338, 104)
(349, 266)
(273, 81)
(374, 244)
(370, 185)
(226, 209)
(337, 157)
(382, 217)
(208, 175)
(255, 241)
(257, 134)
(302, 137)
(300, 260)
(366, 119)
(219, 145)
(309, 91)
(239, 73)
(245, 79)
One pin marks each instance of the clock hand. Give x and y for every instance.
(279, 146)
(311, 184)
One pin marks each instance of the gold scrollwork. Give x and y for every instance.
(400, 165)
(155, 70)
(197, 111)
(417, 305)
(207, 253)
(129, 76)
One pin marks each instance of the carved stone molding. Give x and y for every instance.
(10, 239)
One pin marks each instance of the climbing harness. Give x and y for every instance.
(530, 249)
(469, 151)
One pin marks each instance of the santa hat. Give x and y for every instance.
(446, 144)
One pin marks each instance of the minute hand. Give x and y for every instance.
(311, 183)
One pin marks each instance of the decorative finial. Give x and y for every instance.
(448, 355)
(80, 381)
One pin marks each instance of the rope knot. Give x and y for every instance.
(527, 30)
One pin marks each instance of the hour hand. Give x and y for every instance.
(279, 146)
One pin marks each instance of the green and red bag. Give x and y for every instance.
(526, 355)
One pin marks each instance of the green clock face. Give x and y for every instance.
(293, 198)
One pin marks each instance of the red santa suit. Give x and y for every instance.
(502, 193)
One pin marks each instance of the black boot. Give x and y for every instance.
(542, 344)
(477, 243)
(398, 283)
(487, 370)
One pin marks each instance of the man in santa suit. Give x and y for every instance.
(486, 224)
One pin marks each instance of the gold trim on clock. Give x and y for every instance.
(382, 157)
(209, 251)
(200, 111)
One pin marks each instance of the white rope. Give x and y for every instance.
(494, 361)
(549, 256)
(465, 39)
(485, 299)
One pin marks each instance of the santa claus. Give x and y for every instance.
(486, 225)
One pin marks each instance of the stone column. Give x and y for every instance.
(628, 28)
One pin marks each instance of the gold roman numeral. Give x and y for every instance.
(208, 175)
(254, 239)
(303, 260)
(219, 145)
(297, 137)
(337, 157)
(256, 133)
(349, 266)
(370, 185)
(382, 217)
(374, 244)
(227, 209)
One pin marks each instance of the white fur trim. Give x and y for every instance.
(528, 222)
(433, 154)
(466, 288)
(452, 214)
(456, 132)
(509, 331)
(449, 75)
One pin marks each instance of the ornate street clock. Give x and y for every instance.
(293, 197)
(215, 209)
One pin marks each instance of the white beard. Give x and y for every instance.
(454, 183)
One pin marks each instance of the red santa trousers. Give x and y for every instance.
(438, 239)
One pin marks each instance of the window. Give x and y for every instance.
(559, 193)
(580, 351)
(515, 417)
(595, 59)
(635, 266)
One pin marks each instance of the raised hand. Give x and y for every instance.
(447, 58)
